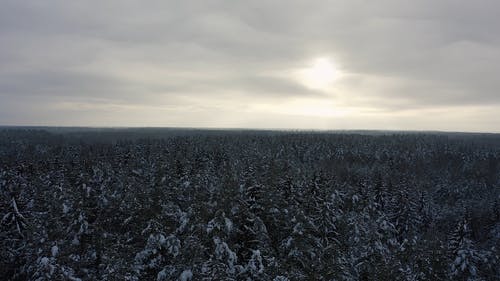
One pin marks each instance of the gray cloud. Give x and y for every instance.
(219, 56)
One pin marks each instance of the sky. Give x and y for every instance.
(358, 64)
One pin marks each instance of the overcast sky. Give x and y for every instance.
(414, 65)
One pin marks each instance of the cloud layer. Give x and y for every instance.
(404, 64)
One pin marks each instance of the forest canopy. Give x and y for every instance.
(172, 204)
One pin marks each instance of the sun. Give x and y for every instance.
(320, 74)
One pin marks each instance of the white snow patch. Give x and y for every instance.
(223, 252)
(54, 250)
(186, 275)
(229, 225)
(75, 241)
(127, 220)
(255, 264)
(66, 208)
(183, 221)
(44, 261)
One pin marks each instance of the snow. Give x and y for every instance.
(222, 251)
(127, 220)
(66, 208)
(298, 228)
(173, 245)
(44, 261)
(161, 239)
(75, 241)
(255, 264)
(186, 275)
(162, 275)
(229, 225)
(281, 232)
(54, 250)
(30, 204)
(183, 221)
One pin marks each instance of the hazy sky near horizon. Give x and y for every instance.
(359, 64)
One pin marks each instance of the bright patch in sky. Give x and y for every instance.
(320, 75)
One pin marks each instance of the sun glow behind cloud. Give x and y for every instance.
(320, 75)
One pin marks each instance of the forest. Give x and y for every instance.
(186, 204)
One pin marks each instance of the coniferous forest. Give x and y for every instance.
(167, 204)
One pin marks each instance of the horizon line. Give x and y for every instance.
(250, 129)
